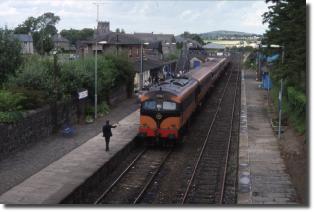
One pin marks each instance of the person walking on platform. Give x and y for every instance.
(106, 130)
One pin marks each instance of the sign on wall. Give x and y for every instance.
(83, 94)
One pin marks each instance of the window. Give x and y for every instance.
(169, 105)
(130, 52)
(149, 105)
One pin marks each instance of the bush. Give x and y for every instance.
(103, 108)
(297, 109)
(89, 110)
(35, 74)
(10, 54)
(297, 100)
(33, 98)
(112, 72)
(293, 106)
(10, 106)
(10, 102)
(10, 117)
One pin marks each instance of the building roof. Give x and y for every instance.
(187, 40)
(59, 38)
(213, 46)
(113, 38)
(24, 37)
(148, 64)
(151, 37)
(118, 38)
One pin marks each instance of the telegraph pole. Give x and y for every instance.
(96, 50)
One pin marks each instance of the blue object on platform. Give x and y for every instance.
(272, 58)
(68, 131)
(196, 64)
(267, 84)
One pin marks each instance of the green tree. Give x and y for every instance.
(195, 37)
(10, 54)
(30, 25)
(42, 29)
(287, 27)
(74, 35)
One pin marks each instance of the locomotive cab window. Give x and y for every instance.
(149, 105)
(169, 105)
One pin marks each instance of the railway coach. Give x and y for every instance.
(167, 107)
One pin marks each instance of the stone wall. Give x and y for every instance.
(118, 95)
(36, 125)
(40, 123)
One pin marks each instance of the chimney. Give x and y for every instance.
(103, 27)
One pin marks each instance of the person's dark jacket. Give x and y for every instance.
(106, 130)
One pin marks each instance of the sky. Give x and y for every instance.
(158, 16)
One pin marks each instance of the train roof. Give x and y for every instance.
(177, 88)
(201, 72)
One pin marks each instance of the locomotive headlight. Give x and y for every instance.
(158, 106)
(158, 116)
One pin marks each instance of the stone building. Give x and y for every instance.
(168, 41)
(26, 41)
(60, 42)
(130, 45)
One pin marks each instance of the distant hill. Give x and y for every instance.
(225, 34)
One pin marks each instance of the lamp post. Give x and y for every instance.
(101, 42)
(281, 87)
(141, 73)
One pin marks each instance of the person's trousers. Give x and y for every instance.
(107, 143)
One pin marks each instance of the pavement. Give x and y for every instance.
(23, 164)
(262, 175)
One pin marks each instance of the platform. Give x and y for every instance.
(262, 173)
(60, 179)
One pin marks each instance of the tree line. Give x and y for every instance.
(287, 28)
(43, 28)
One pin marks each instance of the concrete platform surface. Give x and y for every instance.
(55, 182)
(262, 173)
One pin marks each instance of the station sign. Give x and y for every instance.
(83, 94)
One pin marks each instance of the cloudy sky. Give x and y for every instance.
(158, 16)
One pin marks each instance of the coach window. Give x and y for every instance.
(169, 105)
(149, 105)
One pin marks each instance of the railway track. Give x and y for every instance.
(132, 183)
(171, 169)
(207, 181)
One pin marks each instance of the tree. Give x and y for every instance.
(29, 26)
(74, 35)
(195, 37)
(42, 29)
(287, 27)
(10, 54)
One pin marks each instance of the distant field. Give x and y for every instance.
(224, 42)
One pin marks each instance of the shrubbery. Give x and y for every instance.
(293, 106)
(10, 106)
(36, 79)
(10, 54)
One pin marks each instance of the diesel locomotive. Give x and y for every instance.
(167, 107)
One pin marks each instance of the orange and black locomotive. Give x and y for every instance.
(167, 107)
